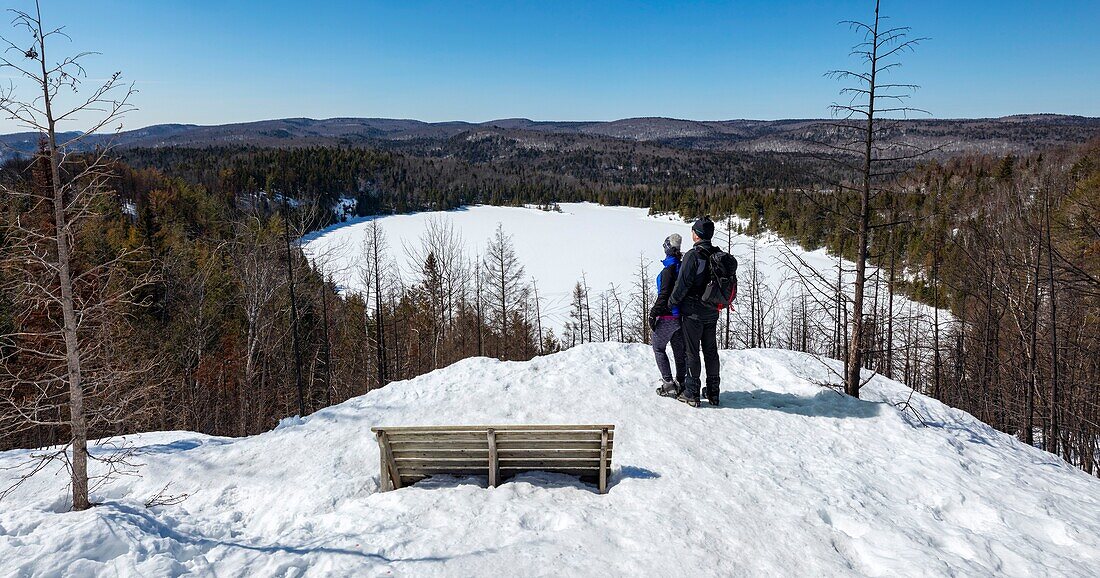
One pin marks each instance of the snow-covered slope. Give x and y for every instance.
(785, 478)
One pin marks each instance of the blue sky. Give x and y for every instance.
(212, 62)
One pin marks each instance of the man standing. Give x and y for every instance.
(699, 321)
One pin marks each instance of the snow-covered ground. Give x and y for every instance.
(601, 243)
(785, 478)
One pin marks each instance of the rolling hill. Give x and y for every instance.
(785, 477)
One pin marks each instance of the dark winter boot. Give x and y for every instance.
(692, 401)
(668, 388)
(712, 395)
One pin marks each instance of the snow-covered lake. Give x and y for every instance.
(603, 244)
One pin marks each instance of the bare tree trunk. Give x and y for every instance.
(327, 344)
(852, 382)
(643, 299)
(587, 307)
(937, 391)
(1053, 443)
(293, 310)
(890, 310)
(1033, 350)
(79, 441)
(79, 427)
(538, 316)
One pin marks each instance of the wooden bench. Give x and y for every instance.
(410, 454)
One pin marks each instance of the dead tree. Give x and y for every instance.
(294, 332)
(256, 260)
(375, 281)
(865, 137)
(70, 304)
(538, 315)
(642, 299)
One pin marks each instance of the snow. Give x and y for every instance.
(345, 206)
(786, 477)
(601, 243)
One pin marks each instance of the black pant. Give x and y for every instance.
(700, 327)
(668, 332)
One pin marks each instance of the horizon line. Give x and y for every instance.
(518, 118)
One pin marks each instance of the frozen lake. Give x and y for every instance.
(604, 244)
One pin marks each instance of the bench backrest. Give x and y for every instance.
(410, 454)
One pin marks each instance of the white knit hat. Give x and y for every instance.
(672, 244)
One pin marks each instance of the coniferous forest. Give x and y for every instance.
(242, 331)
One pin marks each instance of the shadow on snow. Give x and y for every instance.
(826, 403)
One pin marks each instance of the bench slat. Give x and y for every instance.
(454, 436)
(571, 471)
(539, 464)
(414, 463)
(473, 448)
(462, 471)
(503, 437)
(403, 445)
(593, 444)
(515, 436)
(483, 455)
(485, 428)
(569, 453)
(442, 453)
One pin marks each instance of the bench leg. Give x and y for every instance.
(603, 462)
(494, 464)
(384, 481)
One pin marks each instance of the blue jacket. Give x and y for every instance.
(666, 280)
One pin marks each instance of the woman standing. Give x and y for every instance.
(665, 321)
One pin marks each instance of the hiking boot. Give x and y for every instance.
(712, 396)
(692, 401)
(668, 388)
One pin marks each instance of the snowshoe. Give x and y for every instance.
(712, 396)
(668, 389)
(692, 401)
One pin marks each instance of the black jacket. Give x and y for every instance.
(666, 281)
(693, 278)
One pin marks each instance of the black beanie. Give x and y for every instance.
(704, 228)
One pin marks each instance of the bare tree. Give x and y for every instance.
(642, 299)
(256, 261)
(376, 280)
(870, 98)
(71, 305)
(538, 316)
(291, 286)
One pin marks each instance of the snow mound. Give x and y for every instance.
(786, 477)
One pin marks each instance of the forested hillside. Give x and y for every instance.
(1008, 244)
(1017, 134)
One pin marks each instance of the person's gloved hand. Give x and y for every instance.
(653, 322)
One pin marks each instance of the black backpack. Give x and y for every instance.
(721, 288)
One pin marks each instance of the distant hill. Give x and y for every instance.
(1011, 134)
